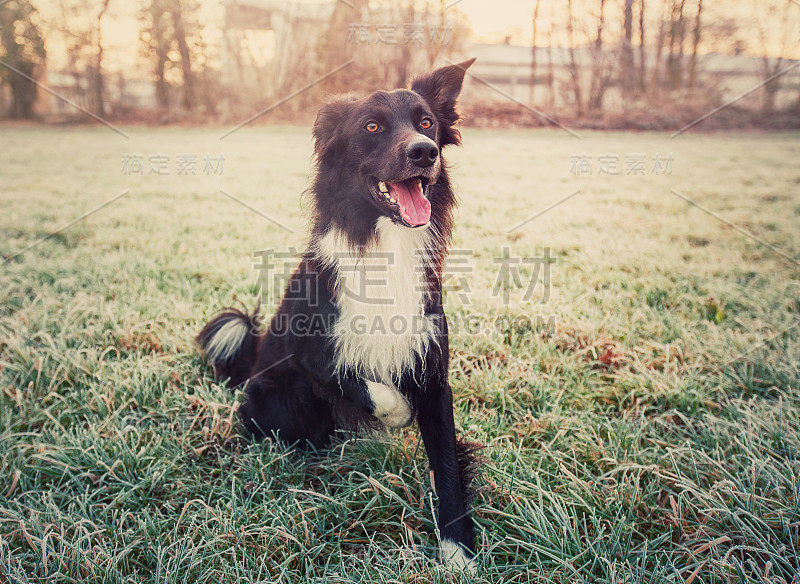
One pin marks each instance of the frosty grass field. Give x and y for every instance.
(639, 396)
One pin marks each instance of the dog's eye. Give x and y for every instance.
(425, 123)
(372, 127)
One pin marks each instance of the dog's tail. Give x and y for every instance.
(230, 340)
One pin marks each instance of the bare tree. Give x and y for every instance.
(695, 45)
(626, 58)
(676, 37)
(170, 27)
(642, 52)
(177, 9)
(388, 41)
(23, 49)
(156, 35)
(551, 94)
(533, 50)
(435, 49)
(574, 66)
(452, 25)
(777, 23)
(654, 78)
(678, 83)
(601, 72)
(97, 73)
(336, 48)
(80, 25)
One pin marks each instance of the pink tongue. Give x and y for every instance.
(414, 207)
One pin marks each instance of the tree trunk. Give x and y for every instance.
(183, 49)
(97, 74)
(551, 94)
(642, 54)
(574, 70)
(598, 86)
(672, 35)
(772, 86)
(162, 94)
(654, 80)
(678, 82)
(626, 62)
(156, 36)
(675, 44)
(533, 52)
(693, 62)
(23, 90)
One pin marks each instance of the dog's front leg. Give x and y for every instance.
(435, 417)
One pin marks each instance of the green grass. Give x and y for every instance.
(652, 435)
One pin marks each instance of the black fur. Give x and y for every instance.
(293, 390)
(469, 463)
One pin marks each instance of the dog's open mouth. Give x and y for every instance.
(408, 199)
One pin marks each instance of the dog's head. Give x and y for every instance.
(382, 153)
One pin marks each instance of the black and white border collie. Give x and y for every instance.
(360, 337)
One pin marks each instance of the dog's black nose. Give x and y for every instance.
(422, 153)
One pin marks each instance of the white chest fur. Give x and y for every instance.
(380, 293)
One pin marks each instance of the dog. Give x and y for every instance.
(346, 348)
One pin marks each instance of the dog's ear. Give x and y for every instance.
(440, 88)
(326, 126)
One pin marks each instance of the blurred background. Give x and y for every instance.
(623, 306)
(628, 64)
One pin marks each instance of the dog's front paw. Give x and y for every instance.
(456, 559)
(391, 408)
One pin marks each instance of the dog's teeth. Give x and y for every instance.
(382, 187)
